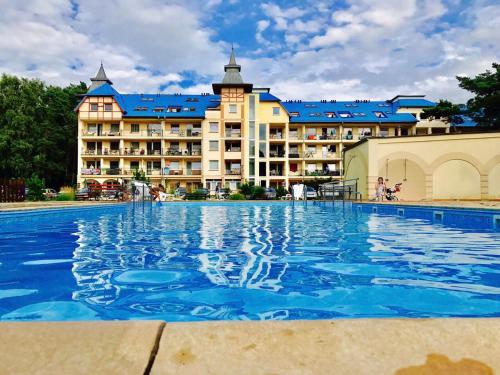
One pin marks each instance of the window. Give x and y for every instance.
(315, 114)
(232, 108)
(330, 114)
(94, 107)
(92, 129)
(379, 114)
(108, 107)
(134, 128)
(345, 114)
(276, 111)
(213, 146)
(294, 114)
(174, 165)
(310, 105)
(158, 109)
(114, 128)
(174, 128)
(262, 131)
(140, 108)
(214, 127)
(134, 145)
(114, 164)
(134, 165)
(191, 99)
(262, 149)
(213, 165)
(174, 109)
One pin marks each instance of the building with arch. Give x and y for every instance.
(431, 167)
(238, 133)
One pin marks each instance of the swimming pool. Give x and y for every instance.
(221, 261)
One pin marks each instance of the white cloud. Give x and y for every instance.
(367, 49)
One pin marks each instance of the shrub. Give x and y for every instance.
(246, 189)
(281, 192)
(66, 196)
(237, 197)
(35, 186)
(258, 192)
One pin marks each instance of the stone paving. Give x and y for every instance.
(353, 346)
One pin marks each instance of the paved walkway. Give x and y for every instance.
(355, 346)
(15, 206)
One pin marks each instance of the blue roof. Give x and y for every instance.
(411, 103)
(346, 112)
(167, 106)
(267, 97)
(103, 90)
(468, 122)
(159, 105)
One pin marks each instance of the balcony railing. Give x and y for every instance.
(183, 133)
(276, 154)
(90, 171)
(181, 152)
(276, 136)
(142, 152)
(144, 133)
(233, 171)
(101, 133)
(112, 171)
(233, 149)
(321, 137)
(233, 133)
(322, 173)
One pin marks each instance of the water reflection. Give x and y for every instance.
(196, 261)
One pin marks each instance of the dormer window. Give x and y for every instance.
(310, 105)
(192, 99)
(330, 114)
(379, 114)
(315, 114)
(140, 109)
(144, 99)
(174, 108)
(294, 114)
(345, 114)
(158, 109)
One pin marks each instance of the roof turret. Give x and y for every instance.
(99, 79)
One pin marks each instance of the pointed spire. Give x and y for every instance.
(232, 77)
(99, 79)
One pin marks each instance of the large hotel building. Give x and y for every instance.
(238, 133)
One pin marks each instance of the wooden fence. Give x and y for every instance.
(12, 190)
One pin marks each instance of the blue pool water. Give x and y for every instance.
(210, 261)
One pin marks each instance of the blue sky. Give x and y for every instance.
(346, 49)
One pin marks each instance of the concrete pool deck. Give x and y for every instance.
(354, 346)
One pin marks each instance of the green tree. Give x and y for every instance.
(446, 111)
(38, 130)
(484, 108)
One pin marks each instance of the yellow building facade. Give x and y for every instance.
(239, 133)
(439, 167)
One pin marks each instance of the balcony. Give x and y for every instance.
(233, 172)
(112, 171)
(276, 136)
(90, 172)
(320, 155)
(101, 152)
(154, 172)
(322, 172)
(181, 133)
(232, 133)
(181, 152)
(144, 134)
(277, 153)
(321, 137)
(96, 133)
